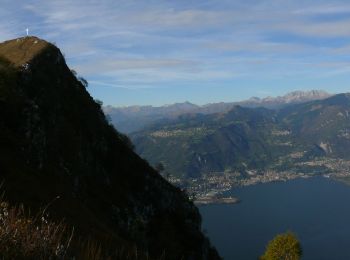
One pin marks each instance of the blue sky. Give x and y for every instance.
(160, 52)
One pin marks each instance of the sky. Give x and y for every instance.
(155, 52)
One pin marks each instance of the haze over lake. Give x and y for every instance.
(316, 209)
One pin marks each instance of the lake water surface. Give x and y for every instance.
(316, 209)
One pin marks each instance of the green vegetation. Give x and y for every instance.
(283, 247)
(246, 139)
(195, 145)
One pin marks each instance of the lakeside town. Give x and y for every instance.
(211, 188)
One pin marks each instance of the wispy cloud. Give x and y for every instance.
(260, 47)
(325, 9)
(159, 43)
(318, 29)
(108, 65)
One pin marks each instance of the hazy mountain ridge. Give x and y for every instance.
(57, 149)
(250, 138)
(134, 118)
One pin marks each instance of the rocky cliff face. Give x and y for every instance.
(57, 149)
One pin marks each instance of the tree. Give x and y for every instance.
(99, 102)
(74, 72)
(83, 81)
(283, 247)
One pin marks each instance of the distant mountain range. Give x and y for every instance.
(258, 139)
(134, 118)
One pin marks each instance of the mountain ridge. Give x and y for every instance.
(58, 149)
(134, 118)
(251, 139)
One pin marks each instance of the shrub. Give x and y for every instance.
(99, 102)
(26, 237)
(83, 81)
(283, 247)
(74, 72)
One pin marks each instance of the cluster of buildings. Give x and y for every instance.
(210, 188)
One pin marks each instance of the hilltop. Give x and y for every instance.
(58, 151)
(23, 50)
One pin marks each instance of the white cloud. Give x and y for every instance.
(144, 43)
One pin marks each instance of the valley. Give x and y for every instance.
(213, 153)
(252, 145)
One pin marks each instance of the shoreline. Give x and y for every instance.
(215, 200)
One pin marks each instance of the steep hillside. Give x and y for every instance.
(58, 151)
(247, 139)
(324, 124)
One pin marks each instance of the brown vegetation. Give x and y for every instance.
(25, 237)
(22, 50)
(36, 237)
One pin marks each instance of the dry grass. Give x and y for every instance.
(25, 237)
(22, 50)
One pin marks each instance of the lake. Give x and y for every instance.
(316, 209)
